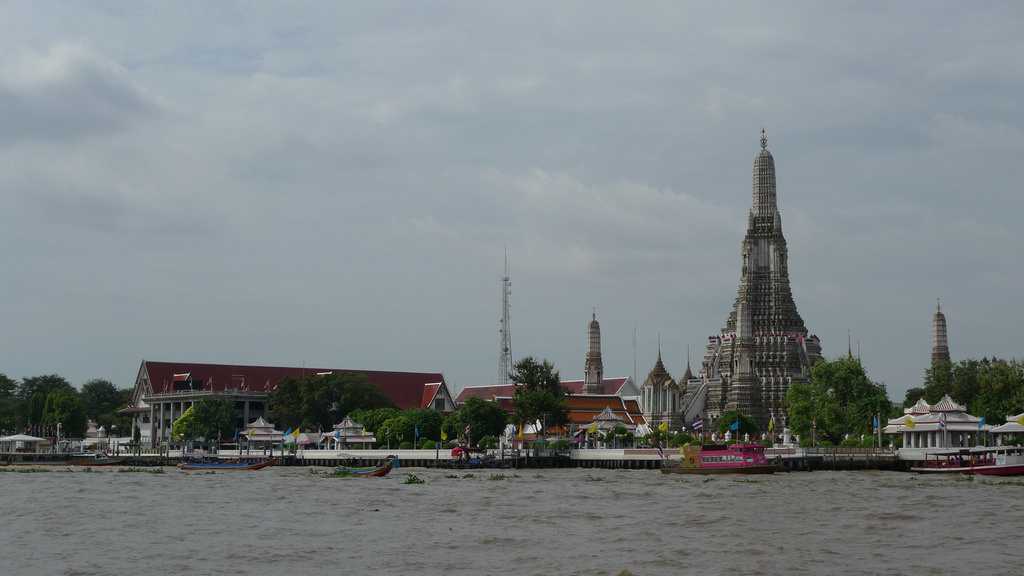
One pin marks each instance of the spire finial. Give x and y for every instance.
(849, 347)
(659, 346)
(764, 140)
(593, 314)
(938, 304)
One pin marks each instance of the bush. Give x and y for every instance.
(488, 442)
(561, 444)
(406, 445)
(428, 444)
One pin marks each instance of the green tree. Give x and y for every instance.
(101, 400)
(840, 399)
(372, 419)
(938, 381)
(747, 424)
(185, 427)
(65, 408)
(912, 396)
(215, 418)
(100, 397)
(483, 418)
(395, 430)
(539, 396)
(320, 401)
(33, 392)
(10, 405)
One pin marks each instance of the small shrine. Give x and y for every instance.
(944, 424)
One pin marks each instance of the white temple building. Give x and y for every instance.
(1014, 427)
(944, 424)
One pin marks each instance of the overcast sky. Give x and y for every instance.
(296, 183)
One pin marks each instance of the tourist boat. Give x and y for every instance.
(228, 465)
(1003, 461)
(95, 459)
(367, 471)
(720, 459)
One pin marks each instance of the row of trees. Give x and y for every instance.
(989, 387)
(318, 402)
(38, 404)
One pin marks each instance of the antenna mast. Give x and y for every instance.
(504, 333)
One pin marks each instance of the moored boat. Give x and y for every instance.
(228, 465)
(720, 459)
(1000, 461)
(95, 459)
(378, 471)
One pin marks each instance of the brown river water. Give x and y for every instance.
(572, 521)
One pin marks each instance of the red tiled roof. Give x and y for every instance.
(406, 390)
(489, 392)
(429, 391)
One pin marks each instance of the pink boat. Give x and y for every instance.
(721, 459)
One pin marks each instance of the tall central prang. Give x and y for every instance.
(764, 346)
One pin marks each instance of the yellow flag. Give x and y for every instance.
(593, 428)
(521, 428)
(296, 433)
(444, 435)
(910, 422)
(771, 425)
(1021, 420)
(663, 426)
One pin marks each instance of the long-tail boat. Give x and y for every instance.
(95, 459)
(382, 469)
(228, 465)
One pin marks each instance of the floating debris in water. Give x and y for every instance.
(496, 477)
(469, 475)
(414, 479)
(452, 476)
(140, 470)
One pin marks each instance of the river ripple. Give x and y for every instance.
(290, 521)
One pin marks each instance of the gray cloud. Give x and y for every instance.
(336, 186)
(65, 93)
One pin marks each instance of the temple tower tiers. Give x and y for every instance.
(940, 343)
(764, 346)
(593, 368)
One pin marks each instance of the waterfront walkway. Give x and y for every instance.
(628, 458)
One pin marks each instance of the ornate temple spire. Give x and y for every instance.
(940, 342)
(593, 367)
(764, 205)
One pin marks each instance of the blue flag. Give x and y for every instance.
(735, 426)
(288, 432)
(874, 422)
(416, 430)
(981, 423)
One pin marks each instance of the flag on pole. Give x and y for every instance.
(444, 436)
(874, 422)
(416, 432)
(288, 433)
(910, 422)
(771, 425)
(1021, 420)
(697, 425)
(735, 426)
(663, 427)
(981, 423)
(592, 429)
